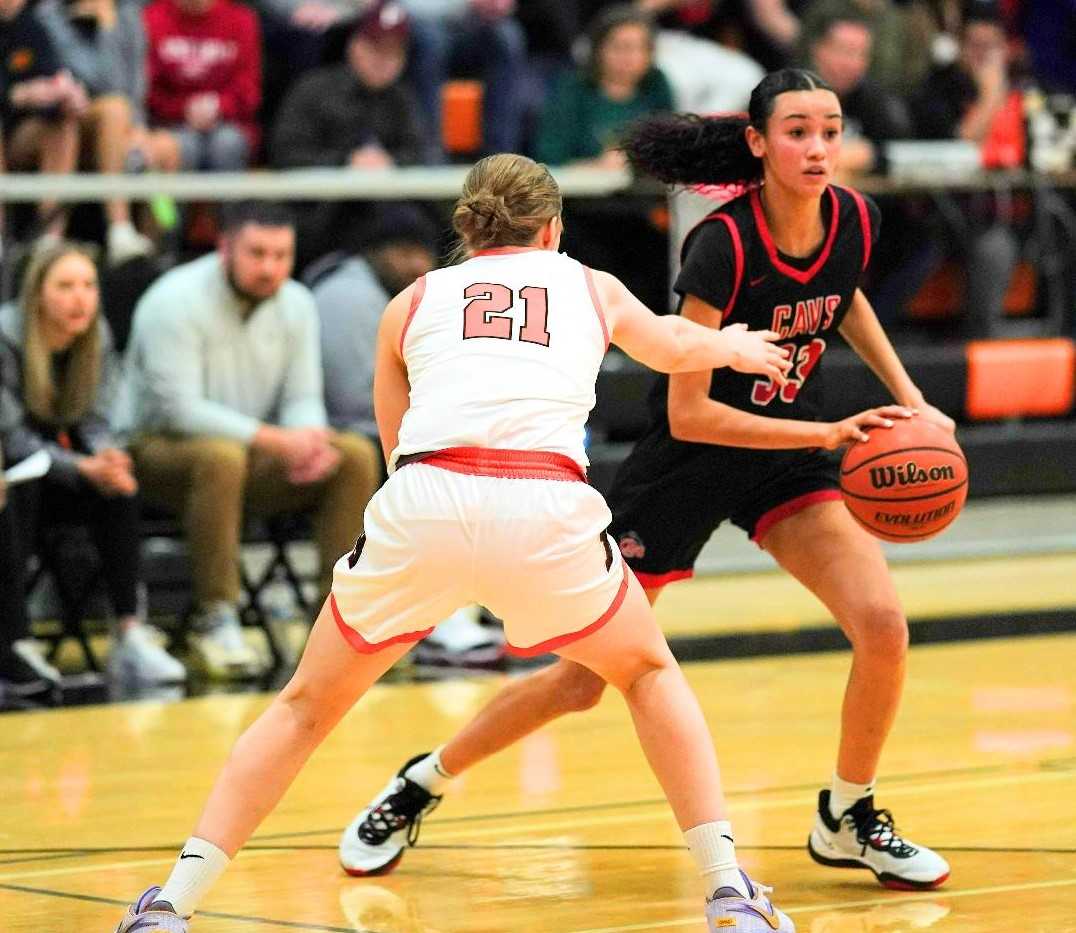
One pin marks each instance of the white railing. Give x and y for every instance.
(421, 183)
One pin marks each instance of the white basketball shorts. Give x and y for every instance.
(518, 532)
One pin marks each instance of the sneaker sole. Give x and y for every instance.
(385, 869)
(885, 879)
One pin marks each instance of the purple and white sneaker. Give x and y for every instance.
(728, 909)
(149, 915)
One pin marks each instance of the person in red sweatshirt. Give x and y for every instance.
(204, 83)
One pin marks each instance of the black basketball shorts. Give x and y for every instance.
(669, 497)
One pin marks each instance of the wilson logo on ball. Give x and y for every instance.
(908, 474)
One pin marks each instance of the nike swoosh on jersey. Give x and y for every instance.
(757, 281)
(191, 855)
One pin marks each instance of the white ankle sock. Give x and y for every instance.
(430, 773)
(199, 865)
(843, 794)
(714, 851)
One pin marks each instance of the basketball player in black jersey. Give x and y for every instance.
(786, 255)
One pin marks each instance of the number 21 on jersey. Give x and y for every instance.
(485, 315)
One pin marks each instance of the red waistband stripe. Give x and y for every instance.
(505, 464)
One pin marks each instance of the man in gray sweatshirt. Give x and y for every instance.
(226, 410)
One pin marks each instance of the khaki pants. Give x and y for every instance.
(212, 481)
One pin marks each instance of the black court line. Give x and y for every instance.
(1052, 764)
(1046, 764)
(830, 638)
(48, 856)
(265, 921)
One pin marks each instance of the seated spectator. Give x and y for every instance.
(581, 126)
(841, 55)
(964, 100)
(24, 673)
(474, 38)
(903, 35)
(351, 290)
(358, 113)
(619, 82)
(204, 84)
(66, 380)
(102, 43)
(226, 406)
(40, 107)
(961, 99)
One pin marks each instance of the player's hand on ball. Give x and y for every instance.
(936, 416)
(854, 429)
(754, 351)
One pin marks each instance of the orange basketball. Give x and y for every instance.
(907, 483)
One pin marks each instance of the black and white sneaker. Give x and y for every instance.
(24, 673)
(863, 837)
(374, 841)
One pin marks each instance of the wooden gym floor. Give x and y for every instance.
(567, 833)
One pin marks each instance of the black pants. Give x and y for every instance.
(40, 514)
(14, 622)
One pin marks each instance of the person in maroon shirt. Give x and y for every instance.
(204, 83)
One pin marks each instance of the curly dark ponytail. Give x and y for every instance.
(687, 149)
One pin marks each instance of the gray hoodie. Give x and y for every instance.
(24, 436)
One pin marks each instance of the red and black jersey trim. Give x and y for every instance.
(737, 257)
(864, 221)
(803, 276)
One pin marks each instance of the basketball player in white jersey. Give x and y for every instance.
(484, 377)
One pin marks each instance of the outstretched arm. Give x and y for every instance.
(671, 344)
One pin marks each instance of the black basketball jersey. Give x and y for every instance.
(731, 262)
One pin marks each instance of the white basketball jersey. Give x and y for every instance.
(503, 351)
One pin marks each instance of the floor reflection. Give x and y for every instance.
(902, 917)
(369, 906)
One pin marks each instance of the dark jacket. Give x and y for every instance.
(26, 53)
(328, 114)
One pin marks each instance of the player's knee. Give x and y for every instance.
(631, 672)
(579, 689)
(308, 710)
(882, 632)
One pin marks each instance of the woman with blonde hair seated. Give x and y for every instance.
(65, 377)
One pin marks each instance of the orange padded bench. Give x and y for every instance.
(461, 116)
(1017, 378)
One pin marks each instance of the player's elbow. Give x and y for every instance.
(682, 423)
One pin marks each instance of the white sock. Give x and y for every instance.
(714, 851)
(199, 865)
(430, 773)
(843, 794)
